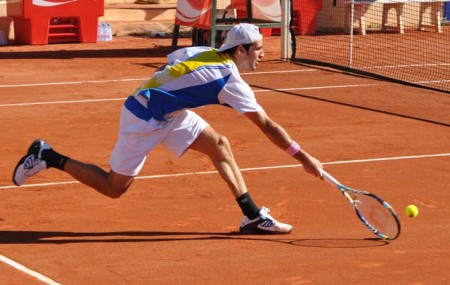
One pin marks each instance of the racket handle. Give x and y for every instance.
(330, 179)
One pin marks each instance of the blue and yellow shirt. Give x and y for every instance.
(194, 77)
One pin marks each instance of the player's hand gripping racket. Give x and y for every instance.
(375, 213)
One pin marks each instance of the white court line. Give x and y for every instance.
(406, 65)
(317, 87)
(277, 72)
(256, 91)
(135, 79)
(71, 82)
(244, 169)
(61, 102)
(432, 81)
(28, 271)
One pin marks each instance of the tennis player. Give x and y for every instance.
(158, 112)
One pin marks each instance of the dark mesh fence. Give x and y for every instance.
(404, 40)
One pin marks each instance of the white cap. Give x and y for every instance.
(241, 34)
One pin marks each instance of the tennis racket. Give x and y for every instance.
(375, 213)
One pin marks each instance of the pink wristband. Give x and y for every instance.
(293, 148)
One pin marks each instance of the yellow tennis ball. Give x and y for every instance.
(411, 211)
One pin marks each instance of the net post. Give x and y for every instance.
(286, 48)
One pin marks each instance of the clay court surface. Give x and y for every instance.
(178, 222)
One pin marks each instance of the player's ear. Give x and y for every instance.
(241, 50)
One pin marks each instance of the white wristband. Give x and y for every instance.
(293, 148)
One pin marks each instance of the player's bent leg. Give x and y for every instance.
(110, 184)
(257, 221)
(218, 149)
(38, 159)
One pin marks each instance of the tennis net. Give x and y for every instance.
(401, 40)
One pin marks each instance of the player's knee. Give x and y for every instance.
(224, 147)
(115, 191)
(116, 185)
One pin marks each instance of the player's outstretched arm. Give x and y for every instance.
(278, 135)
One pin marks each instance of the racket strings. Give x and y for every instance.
(377, 216)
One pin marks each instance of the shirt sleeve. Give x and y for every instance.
(238, 94)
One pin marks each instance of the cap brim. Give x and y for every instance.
(226, 46)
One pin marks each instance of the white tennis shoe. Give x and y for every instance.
(32, 163)
(264, 224)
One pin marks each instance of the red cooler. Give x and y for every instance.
(39, 22)
(307, 15)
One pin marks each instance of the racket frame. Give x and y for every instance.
(347, 191)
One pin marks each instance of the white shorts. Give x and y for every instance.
(138, 137)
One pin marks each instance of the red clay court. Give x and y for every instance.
(178, 222)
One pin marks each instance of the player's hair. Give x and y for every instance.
(232, 51)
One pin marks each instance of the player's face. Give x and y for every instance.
(253, 56)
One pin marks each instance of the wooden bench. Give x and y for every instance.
(435, 16)
(361, 7)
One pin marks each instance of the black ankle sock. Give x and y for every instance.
(247, 206)
(54, 159)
